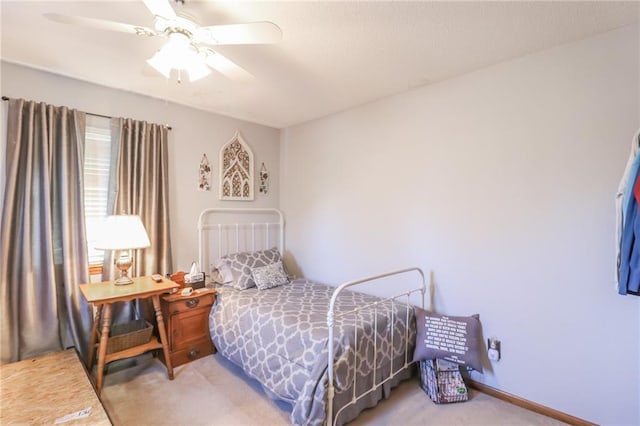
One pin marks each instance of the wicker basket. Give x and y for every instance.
(128, 335)
(442, 381)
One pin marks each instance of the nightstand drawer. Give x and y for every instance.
(185, 304)
(194, 350)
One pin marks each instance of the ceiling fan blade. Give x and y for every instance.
(250, 33)
(160, 8)
(100, 24)
(226, 67)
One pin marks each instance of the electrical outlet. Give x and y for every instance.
(494, 349)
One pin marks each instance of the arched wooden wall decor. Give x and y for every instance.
(236, 170)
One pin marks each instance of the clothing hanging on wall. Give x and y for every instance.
(628, 224)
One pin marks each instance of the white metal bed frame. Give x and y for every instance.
(239, 229)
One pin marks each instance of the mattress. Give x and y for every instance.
(279, 337)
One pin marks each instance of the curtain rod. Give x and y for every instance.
(6, 98)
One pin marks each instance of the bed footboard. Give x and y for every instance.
(403, 299)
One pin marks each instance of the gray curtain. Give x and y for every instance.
(43, 254)
(140, 186)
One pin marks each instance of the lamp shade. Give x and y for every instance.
(161, 64)
(122, 232)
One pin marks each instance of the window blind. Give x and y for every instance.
(97, 166)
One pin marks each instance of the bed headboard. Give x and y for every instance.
(229, 230)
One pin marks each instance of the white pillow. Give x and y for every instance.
(269, 276)
(221, 273)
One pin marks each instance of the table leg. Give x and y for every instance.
(163, 335)
(94, 337)
(102, 349)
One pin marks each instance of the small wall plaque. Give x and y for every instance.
(204, 174)
(264, 180)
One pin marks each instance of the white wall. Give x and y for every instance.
(502, 183)
(194, 134)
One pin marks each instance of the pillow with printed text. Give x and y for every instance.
(453, 338)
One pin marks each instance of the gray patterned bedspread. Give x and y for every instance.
(279, 337)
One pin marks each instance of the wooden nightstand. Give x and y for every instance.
(103, 296)
(187, 323)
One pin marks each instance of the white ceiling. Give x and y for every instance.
(333, 55)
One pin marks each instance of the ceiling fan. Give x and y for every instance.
(188, 45)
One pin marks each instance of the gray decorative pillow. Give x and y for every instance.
(242, 263)
(269, 276)
(455, 339)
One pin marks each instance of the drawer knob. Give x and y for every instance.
(193, 353)
(192, 303)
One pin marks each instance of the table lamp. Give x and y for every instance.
(123, 233)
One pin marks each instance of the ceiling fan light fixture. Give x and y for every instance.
(179, 47)
(161, 63)
(179, 53)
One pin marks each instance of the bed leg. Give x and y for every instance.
(330, 393)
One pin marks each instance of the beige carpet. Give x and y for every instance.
(212, 391)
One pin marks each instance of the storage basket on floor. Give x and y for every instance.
(129, 334)
(442, 381)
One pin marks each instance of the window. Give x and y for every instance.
(97, 165)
